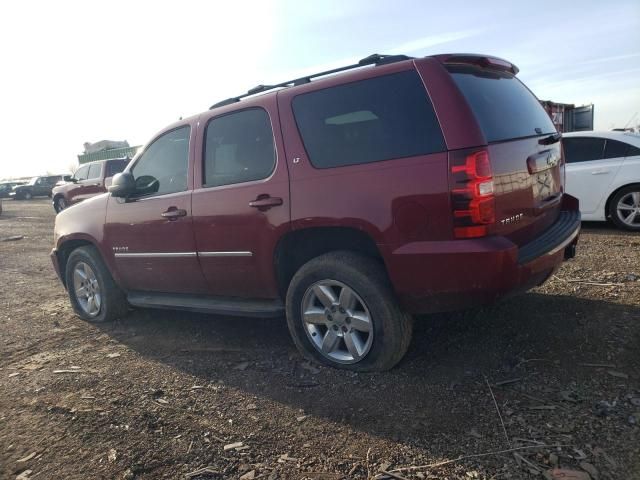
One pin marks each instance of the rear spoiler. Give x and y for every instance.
(484, 61)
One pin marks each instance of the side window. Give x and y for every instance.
(583, 149)
(163, 166)
(95, 169)
(368, 121)
(115, 167)
(632, 151)
(615, 149)
(238, 148)
(81, 173)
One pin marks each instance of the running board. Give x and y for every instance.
(263, 308)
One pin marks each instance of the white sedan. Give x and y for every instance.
(603, 172)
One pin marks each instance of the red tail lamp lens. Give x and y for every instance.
(472, 193)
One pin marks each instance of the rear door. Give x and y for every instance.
(241, 201)
(525, 154)
(592, 165)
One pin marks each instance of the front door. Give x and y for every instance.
(151, 233)
(242, 206)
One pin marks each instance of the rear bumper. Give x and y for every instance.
(444, 276)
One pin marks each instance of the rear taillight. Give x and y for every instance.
(471, 187)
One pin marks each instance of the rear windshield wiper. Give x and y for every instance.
(550, 139)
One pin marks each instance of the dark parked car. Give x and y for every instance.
(6, 187)
(36, 187)
(89, 180)
(349, 202)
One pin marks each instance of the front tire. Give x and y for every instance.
(94, 295)
(624, 208)
(59, 204)
(341, 312)
(27, 196)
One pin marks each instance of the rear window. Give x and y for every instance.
(503, 106)
(368, 121)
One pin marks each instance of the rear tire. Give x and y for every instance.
(94, 295)
(341, 312)
(624, 208)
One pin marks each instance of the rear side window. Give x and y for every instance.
(503, 106)
(94, 171)
(238, 148)
(368, 121)
(115, 167)
(632, 151)
(615, 149)
(583, 149)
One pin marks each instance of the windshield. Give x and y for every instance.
(33, 181)
(503, 106)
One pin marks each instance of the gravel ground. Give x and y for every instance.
(554, 373)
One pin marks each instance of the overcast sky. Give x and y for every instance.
(91, 70)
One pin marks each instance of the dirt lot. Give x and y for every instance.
(160, 394)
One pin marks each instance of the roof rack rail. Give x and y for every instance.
(375, 59)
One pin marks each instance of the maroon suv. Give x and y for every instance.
(89, 180)
(350, 202)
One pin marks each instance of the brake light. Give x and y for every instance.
(482, 61)
(472, 193)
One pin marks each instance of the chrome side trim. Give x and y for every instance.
(182, 254)
(157, 255)
(225, 254)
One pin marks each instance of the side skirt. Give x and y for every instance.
(233, 306)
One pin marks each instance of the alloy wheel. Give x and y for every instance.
(87, 289)
(628, 209)
(337, 321)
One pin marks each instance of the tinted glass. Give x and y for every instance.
(95, 169)
(238, 148)
(114, 167)
(632, 151)
(368, 121)
(582, 149)
(503, 106)
(81, 173)
(615, 149)
(162, 168)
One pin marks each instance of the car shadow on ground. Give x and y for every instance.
(442, 376)
(605, 228)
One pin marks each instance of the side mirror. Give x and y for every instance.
(122, 185)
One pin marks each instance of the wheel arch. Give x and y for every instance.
(66, 246)
(614, 193)
(297, 247)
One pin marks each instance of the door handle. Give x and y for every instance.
(265, 202)
(173, 213)
(602, 171)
